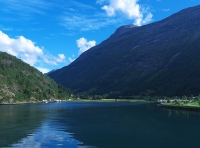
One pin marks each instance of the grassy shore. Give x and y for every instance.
(191, 106)
(107, 100)
(75, 100)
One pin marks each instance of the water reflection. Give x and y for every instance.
(46, 136)
(130, 126)
(102, 125)
(169, 113)
(177, 113)
(17, 122)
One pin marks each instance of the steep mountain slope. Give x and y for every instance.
(20, 82)
(161, 58)
(50, 72)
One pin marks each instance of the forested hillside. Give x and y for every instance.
(19, 82)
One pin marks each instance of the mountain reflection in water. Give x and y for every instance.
(97, 125)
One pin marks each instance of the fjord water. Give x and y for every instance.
(97, 125)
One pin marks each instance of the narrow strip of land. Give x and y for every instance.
(190, 106)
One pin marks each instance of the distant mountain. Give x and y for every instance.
(161, 58)
(50, 72)
(19, 82)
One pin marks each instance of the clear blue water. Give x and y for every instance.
(97, 125)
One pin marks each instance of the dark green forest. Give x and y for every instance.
(19, 82)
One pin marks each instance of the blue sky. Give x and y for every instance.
(50, 34)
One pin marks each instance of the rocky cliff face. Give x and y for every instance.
(156, 59)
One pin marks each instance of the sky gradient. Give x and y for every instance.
(50, 34)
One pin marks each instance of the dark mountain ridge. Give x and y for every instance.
(50, 72)
(156, 59)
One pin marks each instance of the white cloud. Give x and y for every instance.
(141, 21)
(83, 22)
(81, 5)
(43, 70)
(61, 58)
(20, 47)
(71, 59)
(53, 60)
(27, 51)
(109, 10)
(130, 8)
(73, 19)
(24, 8)
(84, 45)
(100, 1)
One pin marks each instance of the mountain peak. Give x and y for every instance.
(125, 28)
(161, 58)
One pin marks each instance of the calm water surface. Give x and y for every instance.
(97, 125)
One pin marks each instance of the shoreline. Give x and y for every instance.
(176, 107)
(81, 100)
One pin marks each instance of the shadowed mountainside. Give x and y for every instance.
(161, 58)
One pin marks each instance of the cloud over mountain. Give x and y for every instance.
(130, 8)
(83, 44)
(27, 51)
